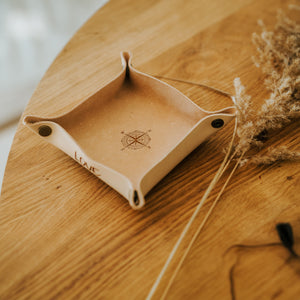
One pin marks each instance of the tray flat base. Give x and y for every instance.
(131, 130)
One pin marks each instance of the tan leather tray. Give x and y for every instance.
(132, 132)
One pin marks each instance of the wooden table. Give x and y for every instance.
(66, 235)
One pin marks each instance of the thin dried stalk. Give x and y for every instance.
(273, 155)
(199, 229)
(192, 219)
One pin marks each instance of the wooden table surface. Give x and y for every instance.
(64, 234)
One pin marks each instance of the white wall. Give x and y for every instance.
(32, 32)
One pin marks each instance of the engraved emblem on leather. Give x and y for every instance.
(81, 160)
(135, 140)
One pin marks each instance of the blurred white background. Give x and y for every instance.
(32, 32)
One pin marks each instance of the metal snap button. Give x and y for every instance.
(217, 123)
(45, 130)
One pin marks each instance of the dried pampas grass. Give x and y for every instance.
(274, 154)
(278, 56)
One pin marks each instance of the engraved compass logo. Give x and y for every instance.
(136, 139)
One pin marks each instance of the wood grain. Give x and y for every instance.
(66, 235)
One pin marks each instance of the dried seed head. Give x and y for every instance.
(278, 56)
